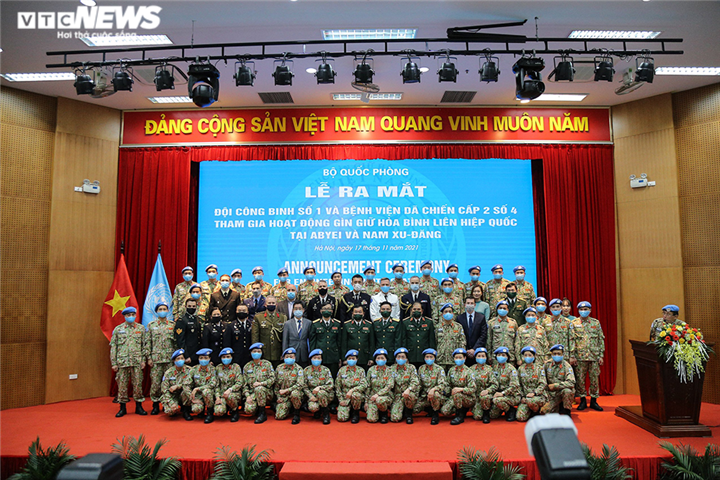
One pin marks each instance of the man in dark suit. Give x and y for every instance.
(356, 298)
(225, 299)
(475, 327)
(285, 307)
(238, 336)
(256, 302)
(296, 333)
(312, 312)
(415, 295)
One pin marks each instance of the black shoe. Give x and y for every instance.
(210, 416)
(486, 416)
(122, 411)
(156, 408)
(583, 404)
(459, 417)
(510, 414)
(354, 416)
(115, 400)
(333, 409)
(186, 413)
(594, 405)
(326, 416)
(435, 418)
(235, 415)
(296, 416)
(384, 417)
(139, 410)
(564, 411)
(262, 417)
(408, 416)
(317, 415)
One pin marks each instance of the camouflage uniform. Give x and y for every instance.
(320, 378)
(494, 291)
(525, 291)
(560, 374)
(172, 402)
(508, 387)
(371, 287)
(449, 336)
(431, 286)
(159, 346)
(405, 377)
(459, 377)
(265, 288)
(532, 380)
(416, 336)
(531, 335)
(288, 377)
(258, 371)
(239, 288)
(279, 291)
(380, 382)
(349, 380)
(127, 353)
(306, 291)
(459, 290)
(229, 377)
(501, 333)
(485, 379)
(387, 335)
(208, 287)
(267, 328)
(337, 292)
(657, 327)
(178, 300)
(589, 349)
(559, 331)
(205, 381)
(443, 298)
(399, 288)
(431, 376)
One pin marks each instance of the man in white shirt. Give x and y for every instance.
(384, 296)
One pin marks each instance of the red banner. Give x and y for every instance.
(367, 125)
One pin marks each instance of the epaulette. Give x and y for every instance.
(315, 321)
(396, 319)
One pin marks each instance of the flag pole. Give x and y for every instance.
(159, 246)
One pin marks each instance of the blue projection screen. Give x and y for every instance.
(347, 215)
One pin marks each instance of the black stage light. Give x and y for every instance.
(411, 72)
(645, 71)
(528, 79)
(122, 79)
(164, 79)
(490, 69)
(604, 68)
(244, 74)
(325, 73)
(84, 84)
(564, 70)
(283, 74)
(447, 72)
(203, 84)
(364, 73)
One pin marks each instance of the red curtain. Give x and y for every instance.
(575, 221)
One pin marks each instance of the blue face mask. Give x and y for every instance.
(163, 314)
(529, 359)
(187, 277)
(381, 363)
(557, 358)
(204, 363)
(258, 277)
(225, 284)
(481, 360)
(226, 361)
(370, 276)
(427, 272)
(316, 362)
(310, 276)
(585, 313)
(555, 312)
(474, 278)
(531, 320)
(540, 308)
(502, 312)
(256, 355)
(179, 363)
(448, 316)
(501, 359)
(414, 287)
(195, 296)
(130, 319)
(459, 362)
(289, 361)
(237, 279)
(429, 361)
(520, 277)
(212, 275)
(291, 295)
(385, 289)
(399, 274)
(497, 276)
(297, 313)
(401, 361)
(283, 279)
(352, 362)
(452, 274)
(447, 290)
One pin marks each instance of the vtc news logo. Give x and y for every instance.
(96, 18)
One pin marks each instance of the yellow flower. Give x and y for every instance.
(682, 340)
(663, 333)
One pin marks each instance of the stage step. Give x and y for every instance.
(365, 471)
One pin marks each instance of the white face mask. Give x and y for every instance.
(357, 287)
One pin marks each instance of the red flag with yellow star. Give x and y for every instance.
(120, 296)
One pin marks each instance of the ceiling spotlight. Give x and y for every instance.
(84, 84)
(645, 71)
(244, 73)
(164, 79)
(283, 73)
(325, 73)
(604, 68)
(447, 71)
(490, 69)
(122, 79)
(564, 70)
(363, 70)
(528, 80)
(411, 71)
(203, 83)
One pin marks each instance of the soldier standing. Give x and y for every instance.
(259, 381)
(461, 384)
(406, 389)
(516, 306)
(213, 335)
(204, 384)
(449, 336)
(417, 334)
(357, 334)
(229, 388)
(350, 386)
(325, 335)
(319, 385)
(495, 288)
(398, 286)
(195, 293)
(237, 285)
(380, 384)
(486, 384)
(337, 289)
(371, 286)
(428, 284)
(533, 385)
(561, 383)
(279, 291)
(258, 275)
(159, 346)
(530, 334)
(267, 328)
(507, 397)
(540, 306)
(181, 290)
(458, 286)
(474, 272)
(353, 299)
(176, 385)
(501, 331)
(559, 330)
(670, 316)
(433, 387)
(238, 336)
(446, 296)
(386, 330)
(525, 290)
(289, 387)
(188, 330)
(589, 351)
(127, 357)
(211, 284)
(316, 303)
(308, 289)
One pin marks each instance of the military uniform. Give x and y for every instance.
(279, 291)
(532, 335)
(485, 379)
(405, 377)
(213, 338)
(657, 327)
(173, 402)
(387, 335)
(459, 377)
(448, 337)
(313, 310)
(430, 285)
(288, 377)
(238, 336)
(239, 288)
(589, 349)
(494, 292)
(229, 377)
(532, 380)
(380, 382)
(321, 379)
(459, 289)
(515, 311)
(431, 376)
(306, 291)
(558, 331)
(204, 384)
(416, 335)
(178, 300)
(560, 374)
(351, 300)
(400, 287)
(525, 291)
(337, 292)
(443, 298)
(267, 328)
(208, 287)
(258, 371)
(501, 333)
(508, 387)
(127, 353)
(159, 346)
(326, 337)
(371, 287)
(265, 288)
(358, 337)
(188, 335)
(350, 380)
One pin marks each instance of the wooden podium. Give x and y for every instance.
(670, 408)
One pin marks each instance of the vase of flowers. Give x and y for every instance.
(685, 347)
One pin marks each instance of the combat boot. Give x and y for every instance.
(354, 416)
(511, 414)
(262, 417)
(583, 403)
(296, 416)
(459, 417)
(486, 416)
(210, 415)
(234, 415)
(156, 408)
(122, 411)
(139, 410)
(408, 416)
(186, 413)
(434, 418)
(326, 416)
(384, 417)
(594, 405)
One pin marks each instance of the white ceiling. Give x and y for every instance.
(271, 20)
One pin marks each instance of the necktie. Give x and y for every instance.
(256, 302)
(299, 327)
(470, 322)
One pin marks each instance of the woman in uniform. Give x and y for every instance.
(379, 393)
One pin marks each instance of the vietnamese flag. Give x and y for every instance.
(120, 296)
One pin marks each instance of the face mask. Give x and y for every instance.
(459, 361)
(426, 272)
(381, 363)
(385, 314)
(310, 277)
(429, 361)
(351, 363)
(291, 295)
(163, 314)
(179, 363)
(216, 319)
(358, 316)
(191, 310)
(289, 361)
(529, 359)
(385, 289)
(212, 275)
(531, 320)
(541, 308)
(357, 287)
(187, 277)
(195, 296)
(258, 277)
(224, 284)
(452, 274)
(370, 276)
(497, 276)
(501, 359)
(447, 290)
(557, 358)
(297, 313)
(322, 291)
(511, 294)
(555, 312)
(226, 361)
(585, 313)
(469, 308)
(130, 319)
(401, 361)
(448, 316)
(417, 314)
(399, 275)
(204, 363)
(520, 277)
(316, 362)
(283, 279)
(236, 279)
(256, 355)
(502, 312)
(481, 360)
(414, 287)
(474, 278)
(271, 308)
(326, 314)
(242, 315)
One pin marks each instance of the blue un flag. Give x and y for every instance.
(158, 291)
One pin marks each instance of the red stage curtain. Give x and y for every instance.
(574, 212)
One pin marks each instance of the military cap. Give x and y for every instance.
(529, 348)
(226, 351)
(160, 304)
(368, 268)
(185, 269)
(586, 304)
(308, 268)
(237, 270)
(336, 271)
(557, 347)
(671, 308)
(317, 351)
(352, 353)
(204, 351)
(540, 299)
(519, 267)
(195, 285)
(528, 310)
(475, 267)
(398, 265)
(177, 353)
(430, 351)
(282, 270)
(401, 350)
(501, 350)
(501, 302)
(446, 280)
(459, 350)
(380, 351)
(496, 267)
(450, 266)
(257, 269)
(446, 305)
(481, 350)
(212, 265)
(129, 310)
(425, 262)
(256, 345)
(554, 301)
(289, 350)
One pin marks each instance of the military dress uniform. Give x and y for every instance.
(485, 379)
(431, 376)
(127, 352)
(267, 328)
(349, 301)
(515, 311)
(337, 292)
(399, 288)
(358, 336)
(229, 377)
(178, 299)
(405, 377)
(238, 337)
(319, 385)
(288, 377)
(532, 380)
(387, 334)
(314, 308)
(449, 336)
(188, 335)
(559, 331)
(213, 338)
(495, 291)
(350, 381)
(501, 333)
(260, 371)
(531, 335)
(159, 346)
(306, 291)
(380, 382)
(325, 335)
(173, 402)
(508, 387)
(459, 377)
(204, 384)
(560, 374)
(417, 334)
(589, 349)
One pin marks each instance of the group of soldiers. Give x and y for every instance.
(325, 348)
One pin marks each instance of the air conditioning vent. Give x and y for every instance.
(457, 97)
(276, 97)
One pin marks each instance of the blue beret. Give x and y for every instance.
(554, 301)
(495, 267)
(584, 304)
(459, 350)
(204, 351)
(529, 348)
(430, 351)
(177, 353)
(195, 285)
(540, 299)
(501, 302)
(237, 270)
(160, 304)
(446, 305)
(336, 271)
(212, 265)
(380, 351)
(368, 268)
(256, 345)
(226, 351)
(474, 267)
(185, 269)
(317, 351)
(289, 350)
(481, 350)
(129, 310)
(283, 270)
(446, 280)
(501, 350)
(557, 347)
(425, 262)
(450, 266)
(398, 265)
(519, 267)
(352, 353)
(258, 268)
(401, 350)
(307, 268)
(672, 308)
(529, 309)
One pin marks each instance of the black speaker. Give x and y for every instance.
(558, 455)
(94, 466)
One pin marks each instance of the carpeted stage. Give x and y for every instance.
(90, 426)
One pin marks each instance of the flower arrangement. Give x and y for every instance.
(685, 347)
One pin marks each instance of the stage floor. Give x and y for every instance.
(90, 426)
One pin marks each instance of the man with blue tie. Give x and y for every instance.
(296, 333)
(256, 301)
(475, 327)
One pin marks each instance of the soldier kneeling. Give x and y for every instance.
(176, 385)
